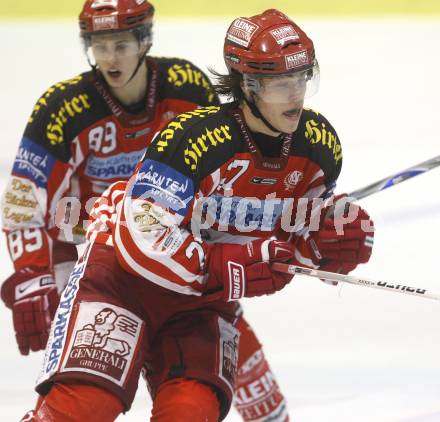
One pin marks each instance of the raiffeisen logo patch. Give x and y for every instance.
(297, 60)
(284, 34)
(241, 32)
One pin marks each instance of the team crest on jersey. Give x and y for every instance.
(292, 180)
(104, 340)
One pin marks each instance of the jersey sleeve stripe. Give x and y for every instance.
(142, 271)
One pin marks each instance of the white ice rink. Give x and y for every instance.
(341, 354)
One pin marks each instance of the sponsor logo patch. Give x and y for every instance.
(104, 340)
(58, 334)
(263, 181)
(296, 60)
(43, 101)
(166, 186)
(236, 280)
(229, 343)
(33, 162)
(241, 32)
(76, 105)
(32, 285)
(101, 23)
(167, 135)
(119, 166)
(318, 133)
(137, 134)
(204, 141)
(284, 34)
(180, 75)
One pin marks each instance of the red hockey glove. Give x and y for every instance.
(33, 298)
(244, 270)
(345, 237)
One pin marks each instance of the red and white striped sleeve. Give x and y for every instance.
(151, 235)
(104, 212)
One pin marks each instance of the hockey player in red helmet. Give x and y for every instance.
(159, 283)
(91, 130)
(116, 36)
(275, 62)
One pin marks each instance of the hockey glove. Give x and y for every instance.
(33, 298)
(244, 270)
(344, 239)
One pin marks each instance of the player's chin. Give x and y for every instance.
(115, 80)
(288, 123)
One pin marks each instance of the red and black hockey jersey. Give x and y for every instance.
(207, 178)
(79, 139)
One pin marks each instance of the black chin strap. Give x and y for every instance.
(140, 61)
(257, 113)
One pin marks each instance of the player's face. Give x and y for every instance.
(116, 56)
(281, 100)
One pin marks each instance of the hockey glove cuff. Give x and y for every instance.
(33, 298)
(245, 271)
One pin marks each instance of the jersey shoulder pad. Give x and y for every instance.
(316, 139)
(63, 111)
(182, 80)
(197, 141)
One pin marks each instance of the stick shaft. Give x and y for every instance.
(397, 178)
(365, 282)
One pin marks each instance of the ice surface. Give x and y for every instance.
(340, 354)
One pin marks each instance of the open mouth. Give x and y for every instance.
(114, 74)
(293, 112)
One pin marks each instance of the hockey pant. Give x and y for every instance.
(176, 400)
(257, 395)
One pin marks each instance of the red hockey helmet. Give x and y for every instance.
(267, 44)
(101, 16)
